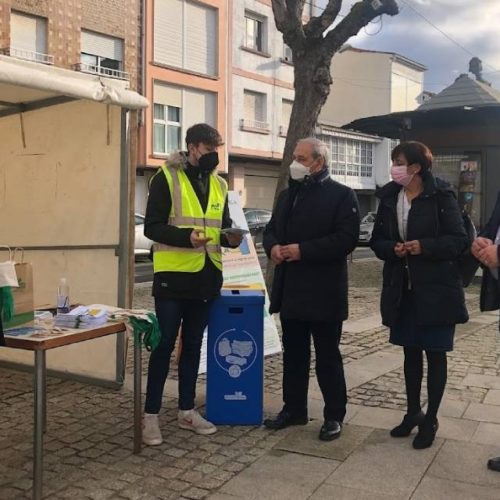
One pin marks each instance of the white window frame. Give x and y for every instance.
(351, 157)
(257, 20)
(167, 123)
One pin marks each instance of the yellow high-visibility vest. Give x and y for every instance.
(186, 212)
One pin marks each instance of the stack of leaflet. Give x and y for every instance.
(94, 318)
(82, 317)
(71, 319)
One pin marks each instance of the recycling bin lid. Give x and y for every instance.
(242, 296)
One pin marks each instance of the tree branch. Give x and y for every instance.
(318, 25)
(288, 19)
(360, 15)
(280, 14)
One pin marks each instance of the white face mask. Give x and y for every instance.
(298, 171)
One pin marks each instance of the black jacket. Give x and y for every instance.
(490, 287)
(435, 220)
(322, 216)
(203, 285)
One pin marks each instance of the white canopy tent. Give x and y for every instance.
(66, 195)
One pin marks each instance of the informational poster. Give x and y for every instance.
(242, 269)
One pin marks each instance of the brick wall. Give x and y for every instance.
(66, 18)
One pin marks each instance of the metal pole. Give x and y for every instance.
(137, 395)
(39, 405)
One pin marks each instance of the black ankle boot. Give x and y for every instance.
(426, 434)
(407, 425)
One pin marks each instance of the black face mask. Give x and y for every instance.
(208, 162)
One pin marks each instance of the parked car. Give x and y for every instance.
(366, 228)
(257, 218)
(142, 246)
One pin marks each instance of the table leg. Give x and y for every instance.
(39, 406)
(137, 397)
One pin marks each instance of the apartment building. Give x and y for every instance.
(184, 79)
(366, 83)
(261, 90)
(91, 36)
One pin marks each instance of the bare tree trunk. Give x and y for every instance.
(313, 48)
(312, 86)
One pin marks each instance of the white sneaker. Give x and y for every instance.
(193, 421)
(151, 434)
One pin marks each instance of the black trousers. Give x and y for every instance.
(194, 317)
(329, 366)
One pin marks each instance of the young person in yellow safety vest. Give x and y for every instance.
(186, 210)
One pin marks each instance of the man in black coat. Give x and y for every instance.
(314, 226)
(486, 249)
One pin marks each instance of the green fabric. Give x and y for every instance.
(149, 330)
(7, 303)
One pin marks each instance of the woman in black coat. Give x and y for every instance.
(419, 233)
(486, 249)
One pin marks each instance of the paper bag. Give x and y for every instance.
(24, 313)
(8, 270)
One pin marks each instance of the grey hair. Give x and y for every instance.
(320, 149)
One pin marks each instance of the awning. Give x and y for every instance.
(27, 85)
(397, 125)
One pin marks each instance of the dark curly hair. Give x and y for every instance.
(203, 133)
(414, 152)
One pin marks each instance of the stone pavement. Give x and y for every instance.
(88, 444)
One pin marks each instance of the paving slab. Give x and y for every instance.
(372, 366)
(466, 462)
(484, 381)
(382, 465)
(492, 397)
(379, 418)
(363, 324)
(483, 413)
(452, 407)
(487, 433)
(469, 327)
(457, 428)
(432, 488)
(336, 492)
(305, 440)
(281, 475)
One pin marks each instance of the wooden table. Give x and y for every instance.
(40, 342)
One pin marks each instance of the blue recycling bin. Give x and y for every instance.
(235, 358)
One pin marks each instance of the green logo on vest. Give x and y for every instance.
(215, 207)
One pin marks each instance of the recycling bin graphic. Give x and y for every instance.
(235, 358)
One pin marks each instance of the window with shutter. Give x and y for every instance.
(254, 32)
(254, 110)
(185, 36)
(101, 54)
(175, 109)
(28, 37)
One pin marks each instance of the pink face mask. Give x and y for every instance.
(400, 175)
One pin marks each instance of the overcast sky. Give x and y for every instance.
(473, 24)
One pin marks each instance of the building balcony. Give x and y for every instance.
(100, 70)
(27, 55)
(255, 126)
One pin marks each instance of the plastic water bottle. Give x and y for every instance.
(63, 297)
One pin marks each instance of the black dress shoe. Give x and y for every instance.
(330, 430)
(426, 434)
(494, 464)
(407, 425)
(285, 419)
